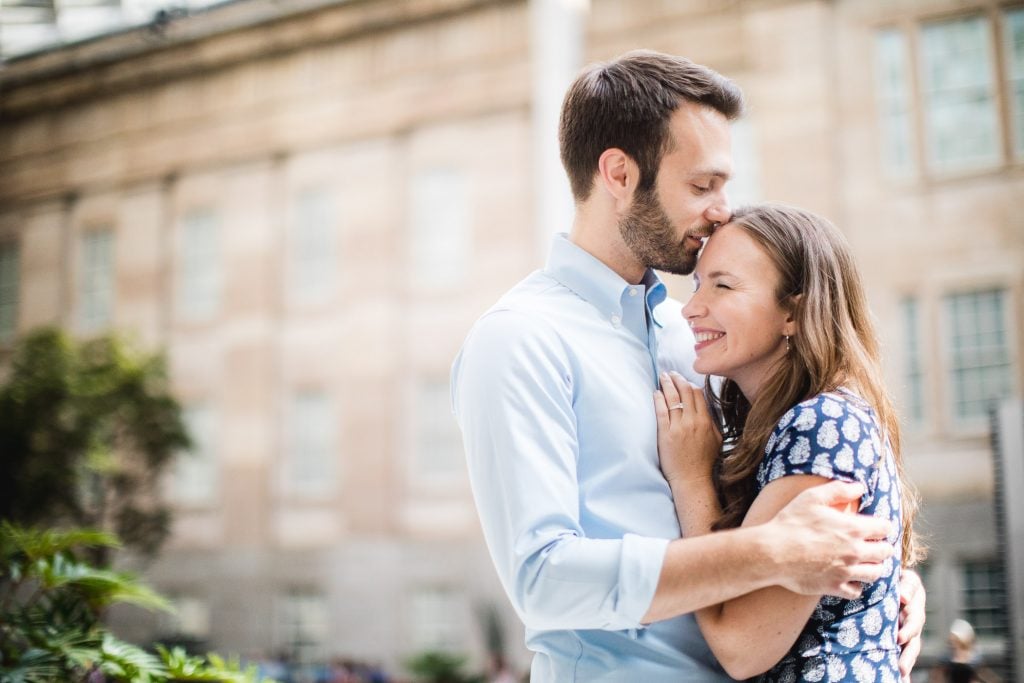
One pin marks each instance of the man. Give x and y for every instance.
(553, 390)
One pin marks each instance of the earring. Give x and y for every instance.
(786, 337)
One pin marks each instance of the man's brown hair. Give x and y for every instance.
(626, 104)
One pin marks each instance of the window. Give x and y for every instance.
(913, 366)
(979, 354)
(892, 69)
(440, 225)
(96, 287)
(311, 443)
(10, 275)
(959, 84)
(435, 613)
(312, 263)
(438, 446)
(191, 617)
(200, 266)
(1014, 38)
(196, 477)
(959, 94)
(984, 598)
(931, 607)
(304, 625)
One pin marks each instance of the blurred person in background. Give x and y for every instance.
(552, 390)
(962, 664)
(779, 312)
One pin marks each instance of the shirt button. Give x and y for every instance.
(616, 320)
(632, 291)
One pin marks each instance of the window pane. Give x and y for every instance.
(312, 443)
(96, 288)
(1014, 37)
(313, 246)
(914, 372)
(191, 618)
(440, 224)
(435, 617)
(438, 441)
(894, 103)
(200, 266)
(984, 598)
(10, 276)
(979, 362)
(196, 478)
(304, 625)
(959, 94)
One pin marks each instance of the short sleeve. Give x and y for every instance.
(828, 436)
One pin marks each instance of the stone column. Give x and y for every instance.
(556, 53)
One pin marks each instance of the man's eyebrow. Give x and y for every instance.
(716, 172)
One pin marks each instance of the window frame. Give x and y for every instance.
(973, 424)
(911, 27)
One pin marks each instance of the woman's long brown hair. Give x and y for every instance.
(835, 345)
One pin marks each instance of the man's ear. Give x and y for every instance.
(790, 304)
(618, 174)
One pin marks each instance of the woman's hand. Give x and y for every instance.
(688, 441)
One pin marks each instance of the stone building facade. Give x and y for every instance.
(307, 204)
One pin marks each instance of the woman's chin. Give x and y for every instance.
(703, 367)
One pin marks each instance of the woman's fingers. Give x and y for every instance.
(685, 392)
(671, 393)
(661, 409)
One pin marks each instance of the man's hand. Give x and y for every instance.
(823, 551)
(912, 600)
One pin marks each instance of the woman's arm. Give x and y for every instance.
(751, 633)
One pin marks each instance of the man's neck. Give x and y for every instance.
(599, 236)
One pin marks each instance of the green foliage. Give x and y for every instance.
(440, 667)
(86, 429)
(50, 606)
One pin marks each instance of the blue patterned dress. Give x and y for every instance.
(837, 435)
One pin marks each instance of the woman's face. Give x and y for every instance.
(738, 325)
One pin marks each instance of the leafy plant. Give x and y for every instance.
(51, 602)
(440, 667)
(86, 429)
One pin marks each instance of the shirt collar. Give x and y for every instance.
(596, 283)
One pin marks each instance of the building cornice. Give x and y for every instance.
(189, 45)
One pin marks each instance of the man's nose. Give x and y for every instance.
(719, 211)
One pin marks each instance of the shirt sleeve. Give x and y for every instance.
(826, 437)
(512, 393)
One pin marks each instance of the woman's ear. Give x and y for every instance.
(790, 305)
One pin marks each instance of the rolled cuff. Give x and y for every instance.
(639, 571)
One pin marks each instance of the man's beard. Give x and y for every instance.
(649, 234)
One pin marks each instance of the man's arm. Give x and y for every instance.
(809, 547)
(512, 393)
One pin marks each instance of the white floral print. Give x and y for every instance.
(837, 436)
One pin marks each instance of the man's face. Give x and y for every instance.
(665, 227)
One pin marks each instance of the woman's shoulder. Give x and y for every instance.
(839, 404)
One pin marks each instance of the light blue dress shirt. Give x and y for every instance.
(553, 390)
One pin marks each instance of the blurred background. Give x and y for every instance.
(305, 204)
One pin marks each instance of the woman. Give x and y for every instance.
(779, 312)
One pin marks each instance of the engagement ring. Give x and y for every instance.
(677, 406)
